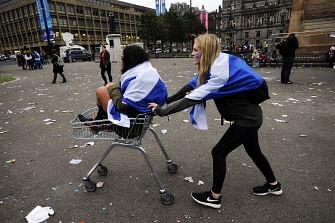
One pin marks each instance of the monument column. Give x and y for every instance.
(113, 41)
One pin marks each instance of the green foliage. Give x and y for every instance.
(169, 27)
(6, 79)
(148, 28)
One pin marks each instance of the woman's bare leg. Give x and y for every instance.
(102, 96)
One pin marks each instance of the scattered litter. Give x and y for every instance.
(89, 144)
(319, 84)
(56, 110)
(54, 188)
(308, 99)
(163, 131)
(49, 121)
(100, 184)
(316, 188)
(73, 147)
(201, 182)
(189, 179)
(9, 112)
(274, 93)
(11, 161)
(2, 132)
(285, 116)
(280, 120)
(302, 135)
(75, 161)
(186, 121)
(67, 111)
(39, 214)
(292, 99)
(28, 108)
(314, 96)
(155, 125)
(329, 190)
(277, 104)
(244, 164)
(42, 110)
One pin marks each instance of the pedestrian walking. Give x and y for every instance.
(237, 91)
(287, 49)
(58, 68)
(105, 64)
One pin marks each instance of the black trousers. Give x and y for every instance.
(234, 137)
(108, 69)
(286, 69)
(55, 77)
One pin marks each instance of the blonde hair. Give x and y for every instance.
(210, 49)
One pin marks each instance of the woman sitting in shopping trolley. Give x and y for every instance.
(140, 83)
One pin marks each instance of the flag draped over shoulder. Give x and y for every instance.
(228, 75)
(139, 86)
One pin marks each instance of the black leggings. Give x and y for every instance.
(108, 69)
(234, 137)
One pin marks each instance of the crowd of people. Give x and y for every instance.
(30, 60)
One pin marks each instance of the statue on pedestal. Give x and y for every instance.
(111, 22)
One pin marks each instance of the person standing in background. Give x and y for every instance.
(331, 56)
(287, 49)
(105, 65)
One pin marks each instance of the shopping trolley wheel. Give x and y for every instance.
(167, 198)
(90, 186)
(172, 168)
(102, 170)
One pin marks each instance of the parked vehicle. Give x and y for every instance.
(3, 58)
(12, 57)
(72, 55)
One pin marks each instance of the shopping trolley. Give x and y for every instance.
(123, 137)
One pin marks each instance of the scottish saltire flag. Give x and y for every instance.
(228, 75)
(139, 86)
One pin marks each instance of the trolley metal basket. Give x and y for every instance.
(123, 137)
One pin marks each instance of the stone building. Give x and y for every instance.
(23, 28)
(250, 22)
(313, 21)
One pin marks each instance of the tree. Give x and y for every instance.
(169, 27)
(148, 28)
(193, 23)
(176, 29)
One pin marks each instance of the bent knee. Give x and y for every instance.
(101, 91)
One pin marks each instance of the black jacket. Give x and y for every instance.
(288, 47)
(242, 108)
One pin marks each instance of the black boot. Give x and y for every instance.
(102, 114)
(89, 122)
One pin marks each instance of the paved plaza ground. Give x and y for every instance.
(297, 137)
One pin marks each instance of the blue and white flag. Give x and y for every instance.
(228, 75)
(139, 86)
